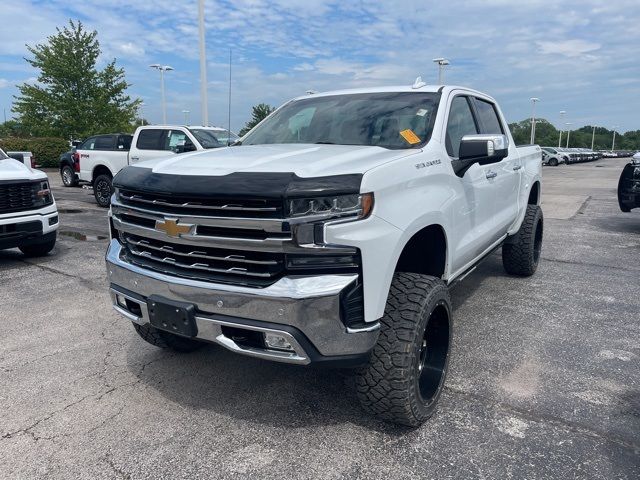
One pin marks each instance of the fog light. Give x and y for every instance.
(277, 342)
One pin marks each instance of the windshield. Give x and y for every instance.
(390, 120)
(213, 138)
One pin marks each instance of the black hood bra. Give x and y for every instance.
(238, 184)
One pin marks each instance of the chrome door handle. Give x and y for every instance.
(492, 174)
(135, 158)
(517, 167)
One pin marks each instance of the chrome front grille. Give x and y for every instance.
(237, 242)
(212, 245)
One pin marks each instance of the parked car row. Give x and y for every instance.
(554, 156)
(617, 153)
(97, 160)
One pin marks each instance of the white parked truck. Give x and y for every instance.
(28, 213)
(100, 157)
(330, 235)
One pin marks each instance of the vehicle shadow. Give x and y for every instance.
(214, 379)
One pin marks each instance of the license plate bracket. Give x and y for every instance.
(172, 316)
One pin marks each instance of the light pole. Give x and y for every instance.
(562, 114)
(186, 117)
(442, 62)
(568, 133)
(162, 68)
(533, 118)
(593, 137)
(613, 144)
(203, 65)
(141, 113)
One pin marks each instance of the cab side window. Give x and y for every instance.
(151, 139)
(105, 142)
(488, 117)
(460, 123)
(175, 139)
(88, 144)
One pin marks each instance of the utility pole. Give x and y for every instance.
(533, 119)
(562, 114)
(162, 69)
(442, 62)
(568, 133)
(203, 65)
(613, 144)
(593, 137)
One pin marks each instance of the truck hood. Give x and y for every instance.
(303, 160)
(11, 169)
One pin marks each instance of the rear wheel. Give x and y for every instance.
(408, 366)
(521, 252)
(103, 189)
(69, 178)
(553, 162)
(161, 339)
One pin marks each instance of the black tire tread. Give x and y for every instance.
(95, 193)
(384, 387)
(517, 251)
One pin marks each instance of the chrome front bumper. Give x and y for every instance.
(306, 308)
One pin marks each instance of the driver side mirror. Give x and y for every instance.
(186, 147)
(481, 149)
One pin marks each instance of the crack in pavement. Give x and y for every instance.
(587, 264)
(537, 417)
(88, 283)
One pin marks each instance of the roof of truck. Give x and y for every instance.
(394, 88)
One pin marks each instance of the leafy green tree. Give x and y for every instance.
(72, 98)
(11, 128)
(258, 113)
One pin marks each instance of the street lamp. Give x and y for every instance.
(162, 68)
(203, 65)
(186, 117)
(568, 133)
(593, 137)
(613, 144)
(533, 119)
(141, 113)
(442, 62)
(562, 114)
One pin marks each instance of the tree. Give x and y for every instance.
(72, 98)
(258, 113)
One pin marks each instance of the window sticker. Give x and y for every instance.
(422, 112)
(410, 136)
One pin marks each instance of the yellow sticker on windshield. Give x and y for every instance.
(410, 137)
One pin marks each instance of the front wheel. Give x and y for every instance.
(408, 365)
(69, 178)
(103, 189)
(553, 162)
(521, 251)
(38, 249)
(161, 339)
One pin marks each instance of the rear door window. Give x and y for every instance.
(88, 144)
(488, 117)
(105, 142)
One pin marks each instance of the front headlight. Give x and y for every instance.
(43, 194)
(338, 206)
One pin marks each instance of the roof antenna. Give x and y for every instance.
(418, 83)
(311, 92)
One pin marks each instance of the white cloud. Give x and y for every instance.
(569, 48)
(4, 83)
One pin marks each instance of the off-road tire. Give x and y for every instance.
(521, 251)
(38, 249)
(390, 385)
(162, 339)
(102, 190)
(68, 176)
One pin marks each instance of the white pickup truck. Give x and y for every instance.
(330, 235)
(99, 158)
(28, 213)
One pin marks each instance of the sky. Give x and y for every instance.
(581, 56)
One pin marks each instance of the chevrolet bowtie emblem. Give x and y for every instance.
(172, 228)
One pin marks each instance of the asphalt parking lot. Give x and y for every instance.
(544, 380)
